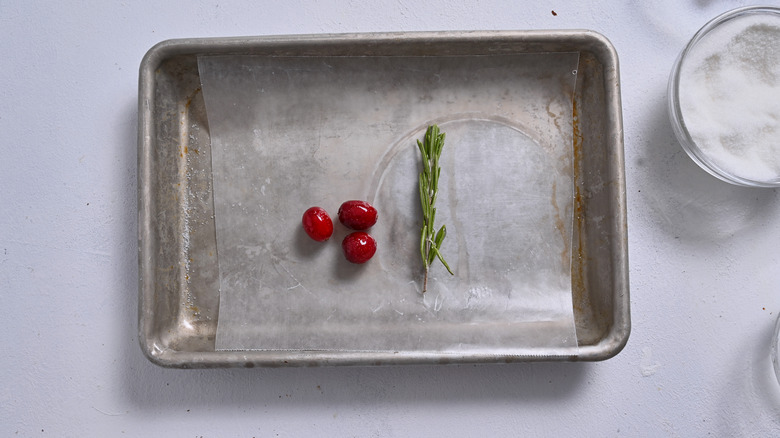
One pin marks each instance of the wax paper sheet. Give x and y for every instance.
(289, 133)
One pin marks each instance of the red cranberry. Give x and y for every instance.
(357, 215)
(358, 247)
(317, 224)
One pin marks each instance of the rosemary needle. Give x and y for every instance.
(430, 239)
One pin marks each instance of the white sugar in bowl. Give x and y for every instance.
(724, 97)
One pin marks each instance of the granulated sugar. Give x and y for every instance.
(730, 96)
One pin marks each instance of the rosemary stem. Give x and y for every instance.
(430, 240)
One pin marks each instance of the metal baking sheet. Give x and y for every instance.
(179, 285)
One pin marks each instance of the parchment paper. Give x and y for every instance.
(289, 133)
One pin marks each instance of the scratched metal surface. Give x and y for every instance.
(179, 286)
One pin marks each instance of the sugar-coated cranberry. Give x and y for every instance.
(317, 224)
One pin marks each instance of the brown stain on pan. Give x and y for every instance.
(184, 149)
(579, 296)
(574, 248)
(192, 96)
(560, 225)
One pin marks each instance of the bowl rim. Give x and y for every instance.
(673, 99)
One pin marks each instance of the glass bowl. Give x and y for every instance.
(724, 97)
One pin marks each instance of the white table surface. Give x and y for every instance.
(703, 254)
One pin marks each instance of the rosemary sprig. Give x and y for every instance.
(430, 239)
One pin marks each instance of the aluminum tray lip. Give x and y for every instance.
(566, 39)
(574, 38)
